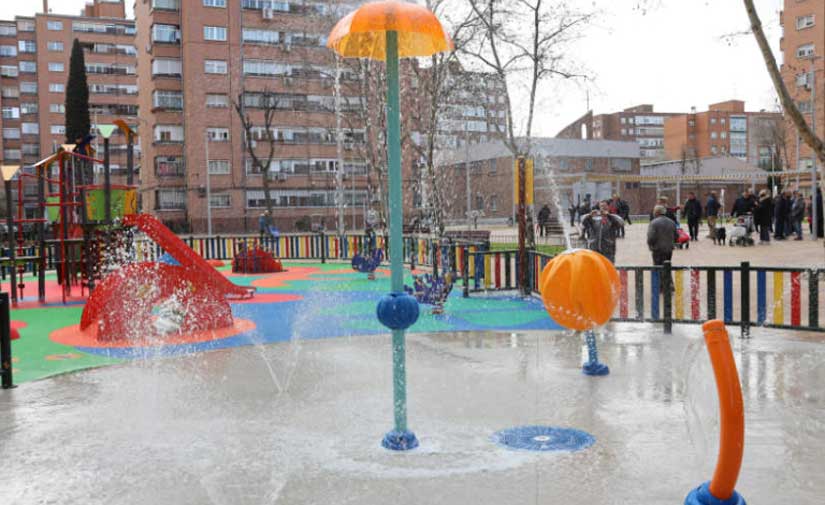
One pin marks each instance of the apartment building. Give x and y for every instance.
(639, 123)
(34, 65)
(726, 129)
(803, 66)
(199, 59)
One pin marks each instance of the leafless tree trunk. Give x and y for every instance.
(268, 103)
(527, 40)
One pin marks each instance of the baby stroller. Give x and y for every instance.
(682, 238)
(740, 233)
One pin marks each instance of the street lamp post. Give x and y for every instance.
(209, 191)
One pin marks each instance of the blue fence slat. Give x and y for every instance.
(761, 296)
(655, 291)
(728, 294)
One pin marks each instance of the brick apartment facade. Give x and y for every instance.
(34, 65)
(639, 123)
(726, 129)
(569, 161)
(803, 49)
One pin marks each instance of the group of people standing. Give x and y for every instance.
(781, 215)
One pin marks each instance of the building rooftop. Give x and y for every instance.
(546, 146)
(712, 165)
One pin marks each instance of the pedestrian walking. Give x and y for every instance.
(693, 213)
(781, 213)
(661, 235)
(712, 208)
(264, 220)
(601, 229)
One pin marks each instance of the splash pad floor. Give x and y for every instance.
(284, 413)
(301, 422)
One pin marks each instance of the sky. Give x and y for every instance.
(674, 56)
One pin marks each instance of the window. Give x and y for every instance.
(11, 133)
(169, 5)
(113, 89)
(217, 134)
(804, 106)
(691, 123)
(623, 120)
(169, 166)
(11, 113)
(713, 120)
(58, 129)
(214, 33)
(117, 29)
(805, 163)
(738, 124)
(217, 100)
(170, 199)
(28, 108)
(264, 67)
(30, 128)
(8, 50)
(724, 135)
(31, 149)
(55, 66)
(220, 200)
(803, 22)
(166, 67)
(168, 34)
(624, 131)
(493, 203)
(588, 165)
(55, 46)
(56, 87)
(28, 67)
(25, 25)
(739, 144)
(802, 79)
(54, 26)
(28, 87)
(8, 31)
(219, 167)
(110, 68)
(168, 133)
(214, 66)
(9, 71)
(805, 51)
(621, 164)
(164, 99)
(713, 135)
(214, 3)
(11, 154)
(9, 92)
(714, 149)
(259, 36)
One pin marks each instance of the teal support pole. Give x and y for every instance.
(399, 438)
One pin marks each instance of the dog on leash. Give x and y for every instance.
(720, 235)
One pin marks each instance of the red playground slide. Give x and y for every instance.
(188, 258)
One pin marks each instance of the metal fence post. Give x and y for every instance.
(667, 294)
(323, 248)
(745, 298)
(5, 343)
(465, 270)
(813, 298)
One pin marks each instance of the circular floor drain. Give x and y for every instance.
(544, 438)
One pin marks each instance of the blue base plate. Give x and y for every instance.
(400, 441)
(701, 496)
(595, 368)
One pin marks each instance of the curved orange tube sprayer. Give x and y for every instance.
(731, 411)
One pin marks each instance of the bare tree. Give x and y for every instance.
(267, 102)
(525, 43)
(437, 85)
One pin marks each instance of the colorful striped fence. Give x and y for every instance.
(786, 298)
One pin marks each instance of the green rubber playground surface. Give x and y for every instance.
(309, 300)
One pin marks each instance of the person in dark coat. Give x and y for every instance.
(820, 230)
(712, 208)
(762, 216)
(781, 213)
(693, 213)
(797, 214)
(544, 220)
(744, 204)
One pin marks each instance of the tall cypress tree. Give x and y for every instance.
(77, 97)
